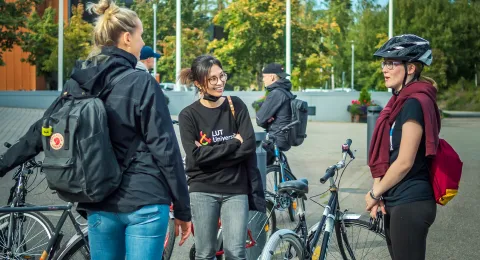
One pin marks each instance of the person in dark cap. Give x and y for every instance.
(275, 111)
(147, 57)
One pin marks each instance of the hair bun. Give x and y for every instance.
(100, 8)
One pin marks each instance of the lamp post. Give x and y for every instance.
(288, 39)
(60, 46)
(353, 65)
(178, 42)
(155, 39)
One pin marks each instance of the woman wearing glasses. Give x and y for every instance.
(405, 135)
(219, 142)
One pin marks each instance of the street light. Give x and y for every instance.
(60, 46)
(155, 39)
(353, 63)
(178, 65)
(390, 19)
(390, 24)
(288, 39)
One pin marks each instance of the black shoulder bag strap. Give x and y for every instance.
(136, 141)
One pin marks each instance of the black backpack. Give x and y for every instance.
(299, 112)
(80, 164)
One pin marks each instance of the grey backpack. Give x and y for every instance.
(80, 164)
(299, 108)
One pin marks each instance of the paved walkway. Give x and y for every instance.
(454, 234)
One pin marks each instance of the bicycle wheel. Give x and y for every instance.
(283, 244)
(30, 236)
(169, 240)
(354, 239)
(286, 203)
(360, 242)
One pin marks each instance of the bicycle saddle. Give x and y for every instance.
(297, 188)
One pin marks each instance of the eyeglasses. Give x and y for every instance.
(390, 64)
(214, 80)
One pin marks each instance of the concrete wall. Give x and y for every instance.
(329, 106)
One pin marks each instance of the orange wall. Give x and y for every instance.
(18, 75)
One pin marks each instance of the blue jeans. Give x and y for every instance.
(135, 235)
(233, 211)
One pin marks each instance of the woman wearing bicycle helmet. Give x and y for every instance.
(405, 135)
(219, 142)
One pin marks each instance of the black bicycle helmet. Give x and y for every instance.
(408, 48)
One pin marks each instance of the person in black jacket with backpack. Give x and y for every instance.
(276, 112)
(131, 222)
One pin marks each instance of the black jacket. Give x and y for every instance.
(277, 105)
(135, 107)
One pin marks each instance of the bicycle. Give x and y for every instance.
(13, 240)
(280, 172)
(302, 244)
(19, 212)
(251, 241)
(269, 225)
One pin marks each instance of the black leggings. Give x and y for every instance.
(406, 228)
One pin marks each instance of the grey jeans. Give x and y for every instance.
(207, 208)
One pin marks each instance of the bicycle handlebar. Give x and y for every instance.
(290, 126)
(284, 129)
(28, 164)
(330, 172)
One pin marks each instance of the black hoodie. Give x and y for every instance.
(277, 105)
(135, 107)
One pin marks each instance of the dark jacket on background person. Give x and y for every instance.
(135, 108)
(277, 105)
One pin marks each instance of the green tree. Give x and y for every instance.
(341, 12)
(166, 18)
(194, 43)
(77, 42)
(367, 34)
(256, 36)
(40, 41)
(12, 21)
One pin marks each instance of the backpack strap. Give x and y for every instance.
(232, 108)
(287, 93)
(136, 141)
(108, 88)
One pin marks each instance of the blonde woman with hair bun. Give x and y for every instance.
(131, 222)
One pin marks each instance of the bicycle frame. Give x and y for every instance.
(279, 158)
(17, 197)
(328, 218)
(55, 240)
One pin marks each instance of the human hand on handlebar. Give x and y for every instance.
(380, 205)
(270, 120)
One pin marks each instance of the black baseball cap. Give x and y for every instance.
(275, 68)
(147, 52)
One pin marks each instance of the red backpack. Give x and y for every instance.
(445, 173)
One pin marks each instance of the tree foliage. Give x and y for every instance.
(194, 43)
(40, 40)
(13, 20)
(256, 36)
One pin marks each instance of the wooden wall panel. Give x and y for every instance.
(17, 75)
